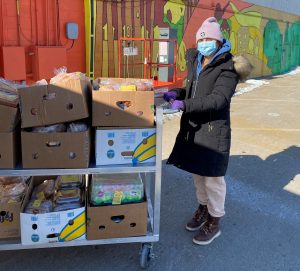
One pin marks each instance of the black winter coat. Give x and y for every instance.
(203, 142)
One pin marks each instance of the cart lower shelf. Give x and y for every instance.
(16, 244)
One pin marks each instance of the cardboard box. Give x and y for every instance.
(10, 220)
(52, 227)
(56, 150)
(125, 146)
(123, 108)
(51, 104)
(9, 118)
(9, 149)
(116, 221)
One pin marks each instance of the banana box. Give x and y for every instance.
(125, 146)
(52, 227)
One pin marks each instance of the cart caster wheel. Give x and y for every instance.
(145, 255)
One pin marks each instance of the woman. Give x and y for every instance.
(203, 142)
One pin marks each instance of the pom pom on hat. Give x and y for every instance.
(210, 28)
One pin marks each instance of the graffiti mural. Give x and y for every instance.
(270, 43)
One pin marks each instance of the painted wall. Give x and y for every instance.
(42, 22)
(269, 38)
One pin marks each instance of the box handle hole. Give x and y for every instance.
(70, 106)
(53, 144)
(72, 155)
(49, 96)
(101, 228)
(117, 218)
(2, 213)
(132, 225)
(33, 111)
(124, 105)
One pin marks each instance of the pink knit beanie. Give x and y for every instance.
(210, 28)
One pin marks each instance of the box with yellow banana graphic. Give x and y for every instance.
(52, 227)
(125, 146)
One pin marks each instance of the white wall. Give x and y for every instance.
(291, 6)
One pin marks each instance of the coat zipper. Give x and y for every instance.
(210, 127)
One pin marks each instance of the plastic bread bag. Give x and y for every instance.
(45, 190)
(68, 196)
(61, 75)
(42, 82)
(70, 181)
(12, 190)
(77, 127)
(12, 180)
(36, 206)
(56, 128)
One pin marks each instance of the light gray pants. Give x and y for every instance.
(211, 191)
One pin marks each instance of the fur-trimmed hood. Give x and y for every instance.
(242, 66)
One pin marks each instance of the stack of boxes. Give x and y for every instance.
(123, 119)
(9, 120)
(64, 101)
(125, 134)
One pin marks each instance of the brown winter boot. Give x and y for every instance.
(208, 232)
(198, 220)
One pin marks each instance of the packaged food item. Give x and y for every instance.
(56, 128)
(45, 190)
(61, 75)
(116, 189)
(42, 82)
(12, 189)
(77, 127)
(12, 180)
(67, 206)
(8, 92)
(70, 181)
(37, 206)
(122, 84)
(68, 196)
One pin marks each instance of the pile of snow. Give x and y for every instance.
(253, 84)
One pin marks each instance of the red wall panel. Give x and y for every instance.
(42, 23)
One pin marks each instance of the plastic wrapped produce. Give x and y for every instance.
(70, 181)
(116, 189)
(36, 206)
(56, 128)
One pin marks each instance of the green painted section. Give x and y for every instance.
(272, 44)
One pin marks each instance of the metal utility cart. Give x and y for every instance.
(151, 174)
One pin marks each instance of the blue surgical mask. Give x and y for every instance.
(207, 48)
